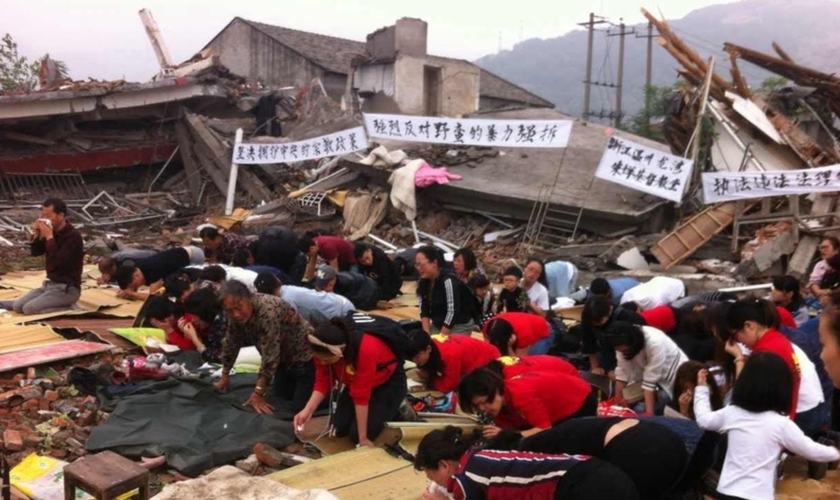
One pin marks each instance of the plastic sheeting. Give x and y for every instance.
(191, 424)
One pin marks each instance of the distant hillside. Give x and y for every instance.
(554, 68)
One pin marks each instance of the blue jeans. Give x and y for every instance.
(543, 345)
(812, 421)
(659, 403)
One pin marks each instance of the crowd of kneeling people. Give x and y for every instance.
(722, 386)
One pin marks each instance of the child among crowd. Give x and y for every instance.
(513, 298)
(756, 427)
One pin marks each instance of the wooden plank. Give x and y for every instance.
(205, 159)
(695, 232)
(185, 146)
(221, 156)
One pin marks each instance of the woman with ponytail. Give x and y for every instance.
(460, 470)
(370, 373)
(443, 360)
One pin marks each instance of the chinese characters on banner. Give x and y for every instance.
(644, 169)
(727, 186)
(339, 143)
(469, 131)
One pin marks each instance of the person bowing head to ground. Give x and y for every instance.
(460, 470)
(443, 360)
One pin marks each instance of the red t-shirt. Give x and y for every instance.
(528, 328)
(786, 318)
(460, 354)
(512, 366)
(362, 378)
(660, 317)
(774, 342)
(540, 400)
(333, 247)
(175, 337)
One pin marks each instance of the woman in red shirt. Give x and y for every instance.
(527, 402)
(372, 376)
(663, 318)
(514, 333)
(444, 359)
(750, 323)
(511, 366)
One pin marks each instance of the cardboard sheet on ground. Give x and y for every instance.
(27, 280)
(191, 424)
(17, 337)
(43, 354)
(229, 482)
(101, 301)
(409, 308)
(365, 473)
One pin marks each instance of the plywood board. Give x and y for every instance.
(338, 471)
(401, 484)
(409, 308)
(47, 354)
(17, 337)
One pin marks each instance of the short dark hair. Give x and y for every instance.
(470, 262)
(204, 304)
(499, 332)
(513, 271)
(240, 257)
(216, 274)
(835, 242)
(266, 283)
(124, 276)
(478, 281)
(209, 233)
(759, 311)
(621, 333)
(159, 308)
(789, 284)
(107, 263)
(360, 248)
(831, 315)
(57, 205)
(481, 382)
(448, 443)
(176, 284)
(432, 254)
(765, 384)
(600, 287)
(834, 262)
(306, 243)
(595, 309)
(418, 341)
(236, 289)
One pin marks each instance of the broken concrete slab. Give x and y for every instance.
(766, 255)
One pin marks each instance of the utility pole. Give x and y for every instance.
(648, 73)
(620, 85)
(588, 81)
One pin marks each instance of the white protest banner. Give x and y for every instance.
(339, 143)
(727, 186)
(470, 131)
(644, 169)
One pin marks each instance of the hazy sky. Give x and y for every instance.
(104, 38)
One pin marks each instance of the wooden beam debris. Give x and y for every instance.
(216, 160)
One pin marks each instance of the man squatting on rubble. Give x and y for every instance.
(62, 245)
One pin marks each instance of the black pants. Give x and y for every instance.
(384, 406)
(595, 479)
(294, 383)
(652, 456)
(589, 408)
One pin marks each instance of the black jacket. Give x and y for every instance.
(385, 273)
(446, 302)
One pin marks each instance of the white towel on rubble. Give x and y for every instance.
(402, 188)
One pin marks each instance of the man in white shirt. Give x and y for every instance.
(314, 306)
(659, 291)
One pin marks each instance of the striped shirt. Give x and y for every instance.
(504, 475)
